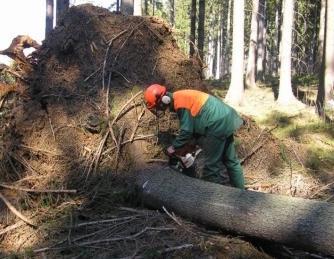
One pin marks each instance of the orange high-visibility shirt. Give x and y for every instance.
(192, 100)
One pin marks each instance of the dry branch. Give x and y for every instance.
(35, 190)
(12, 227)
(16, 212)
(125, 105)
(250, 154)
(137, 125)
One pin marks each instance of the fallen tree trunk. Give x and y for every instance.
(298, 222)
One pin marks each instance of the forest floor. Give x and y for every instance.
(86, 84)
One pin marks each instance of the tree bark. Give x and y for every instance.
(251, 64)
(127, 7)
(192, 36)
(200, 28)
(171, 11)
(48, 17)
(285, 95)
(236, 89)
(321, 36)
(326, 80)
(137, 8)
(300, 223)
(61, 7)
(262, 41)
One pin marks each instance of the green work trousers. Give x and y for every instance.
(219, 152)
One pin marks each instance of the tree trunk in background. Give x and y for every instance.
(137, 9)
(298, 222)
(236, 89)
(326, 86)
(321, 37)
(171, 12)
(251, 64)
(285, 95)
(61, 7)
(261, 41)
(118, 6)
(146, 7)
(192, 36)
(153, 7)
(227, 50)
(48, 17)
(127, 7)
(200, 29)
(277, 41)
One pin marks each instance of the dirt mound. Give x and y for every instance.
(92, 44)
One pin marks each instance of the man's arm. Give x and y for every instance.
(186, 128)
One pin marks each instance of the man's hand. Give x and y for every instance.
(170, 150)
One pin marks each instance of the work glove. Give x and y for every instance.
(170, 150)
(188, 160)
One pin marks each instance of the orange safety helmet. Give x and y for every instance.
(153, 95)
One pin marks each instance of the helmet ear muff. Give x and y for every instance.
(165, 99)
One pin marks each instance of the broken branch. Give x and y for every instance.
(16, 212)
(35, 190)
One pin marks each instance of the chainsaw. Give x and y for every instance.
(184, 162)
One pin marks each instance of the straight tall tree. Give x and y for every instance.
(127, 7)
(137, 7)
(285, 95)
(61, 7)
(192, 36)
(48, 17)
(326, 86)
(321, 35)
(251, 64)
(200, 28)
(261, 41)
(171, 11)
(235, 92)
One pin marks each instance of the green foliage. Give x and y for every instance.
(306, 80)
(7, 78)
(151, 253)
(279, 119)
(182, 24)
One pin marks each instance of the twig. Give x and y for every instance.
(137, 125)
(250, 154)
(154, 160)
(84, 224)
(160, 39)
(97, 155)
(298, 158)
(107, 113)
(107, 52)
(23, 162)
(51, 126)
(2, 101)
(321, 189)
(40, 150)
(174, 248)
(123, 107)
(92, 74)
(128, 141)
(124, 238)
(121, 47)
(16, 212)
(12, 227)
(35, 190)
(171, 216)
(119, 145)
